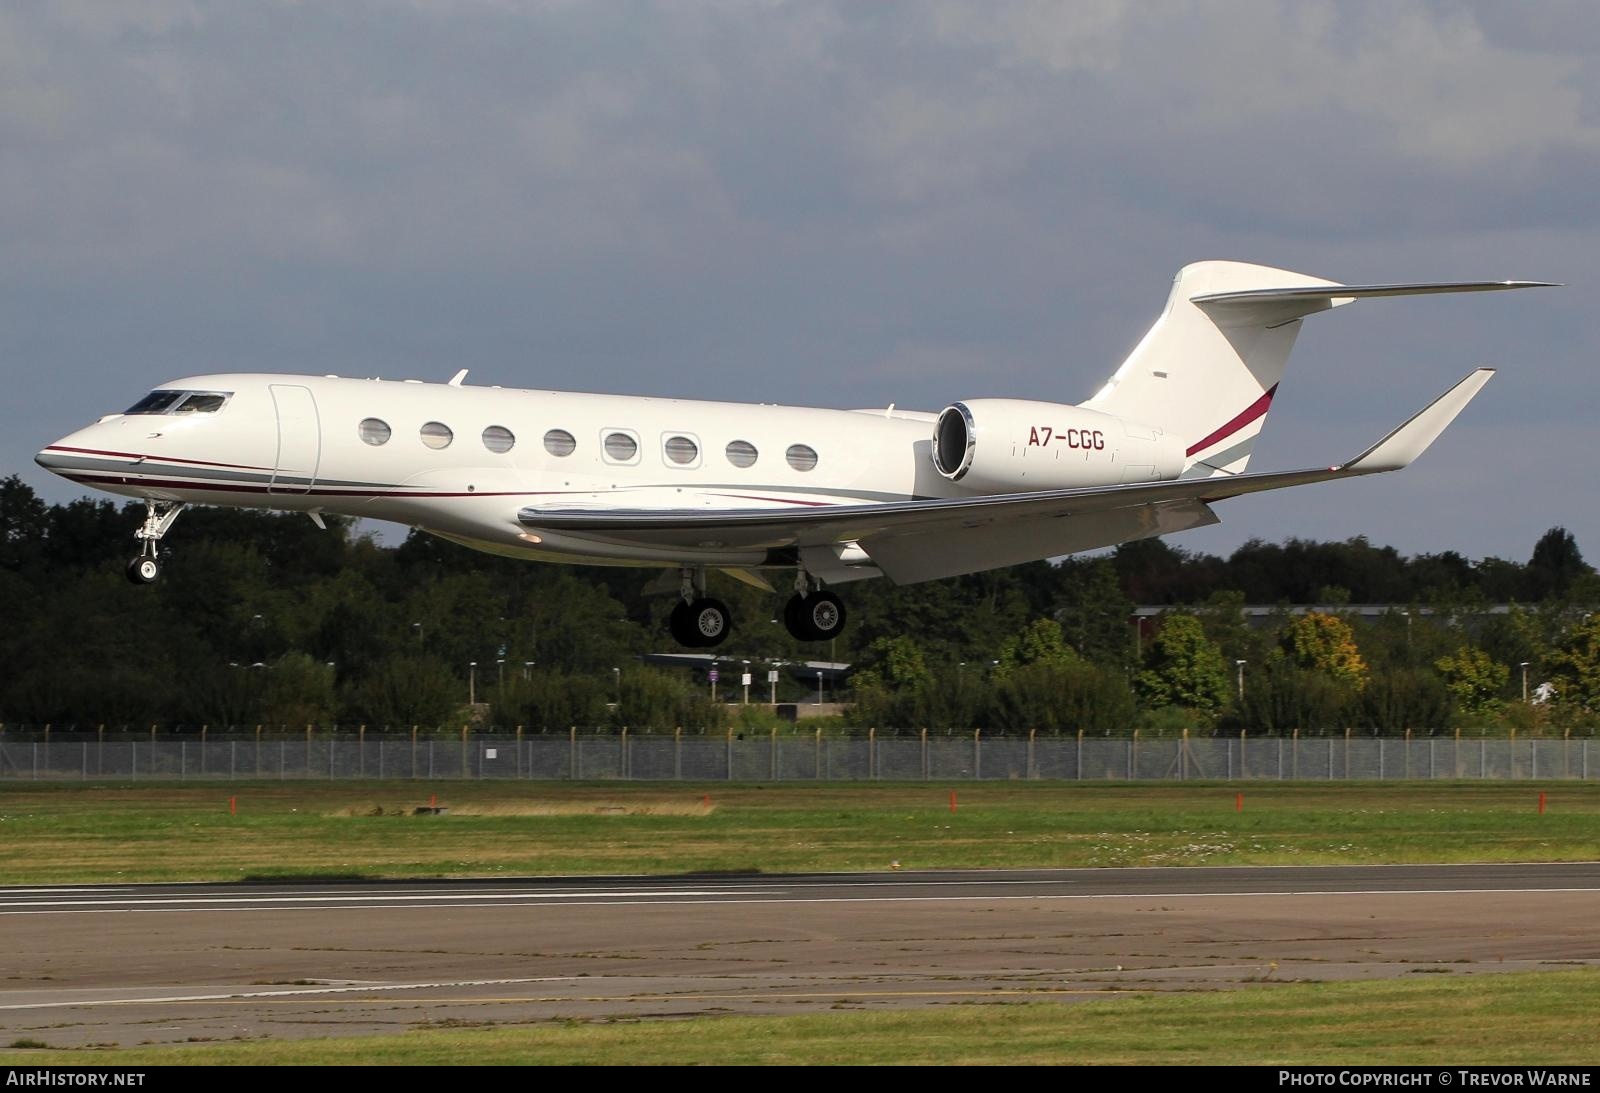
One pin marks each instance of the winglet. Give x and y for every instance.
(1410, 440)
(455, 380)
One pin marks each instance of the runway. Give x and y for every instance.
(175, 963)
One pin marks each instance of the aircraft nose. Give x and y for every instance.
(50, 458)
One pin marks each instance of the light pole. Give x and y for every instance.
(500, 673)
(819, 686)
(527, 670)
(417, 626)
(1239, 664)
(617, 674)
(745, 679)
(472, 683)
(1525, 681)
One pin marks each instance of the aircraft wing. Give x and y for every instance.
(921, 540)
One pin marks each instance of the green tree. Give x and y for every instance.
(1325, 643)
(1042, 642)
(1062, 698)
(1574, 665)
(1475, 680)
(1555, 565)
(1183, 668)
(405, 690)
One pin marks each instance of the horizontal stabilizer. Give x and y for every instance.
(1280, 305)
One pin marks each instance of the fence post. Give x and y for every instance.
(728, 755)
(977, 754)
(1033, 764)
(772, 753)
(1133, 752)
(1294, 754)
(519, 751)
(1078, 758)
(818, 762)
(99, 749)
(361, 753)
(1511, 756)
(1346, 756)
(202, 751)
(1183, 756)
(413, 753)
(1408, 755)
(927, 768)
(1244, 762)
(465, 767)
(872, 751)
(573, 767)
(622, 759)
(677, 753)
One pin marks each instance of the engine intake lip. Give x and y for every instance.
(955, 434)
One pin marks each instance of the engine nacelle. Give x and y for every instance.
(1000, 445)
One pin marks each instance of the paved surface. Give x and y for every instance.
(166, 964)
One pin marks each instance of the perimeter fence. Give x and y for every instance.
(784, 756)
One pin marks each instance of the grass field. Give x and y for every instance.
(1541, 1019)
(54, 833)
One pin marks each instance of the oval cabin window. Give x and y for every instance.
(621, 448)
(681, 450)
(437, 435)
(559, 442)
(741, 453)
(498, 439)
(801, 457)
(374, 432)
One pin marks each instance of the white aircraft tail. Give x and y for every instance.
(1209, 367)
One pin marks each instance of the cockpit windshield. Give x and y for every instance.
(180, 402)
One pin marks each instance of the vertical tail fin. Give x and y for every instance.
(1209, 378)
(1209, 367)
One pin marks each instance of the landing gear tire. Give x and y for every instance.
(144, 570)
(814, 617)
(703, 624)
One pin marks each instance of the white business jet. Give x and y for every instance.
(829, 496)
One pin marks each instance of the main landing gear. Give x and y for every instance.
(812, 614)
(158, 520)
(699, 621)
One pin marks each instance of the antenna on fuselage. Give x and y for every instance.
(455, 380)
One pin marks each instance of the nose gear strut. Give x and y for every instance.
(159, 517)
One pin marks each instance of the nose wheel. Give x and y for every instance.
(144, 570)
(159, 517)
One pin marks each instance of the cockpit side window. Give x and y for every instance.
(180, 402)
(156, 402)
(201, 402)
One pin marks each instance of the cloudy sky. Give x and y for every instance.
(834, 204)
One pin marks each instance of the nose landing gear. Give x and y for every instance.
(158, 520)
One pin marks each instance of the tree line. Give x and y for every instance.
(263, 618)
